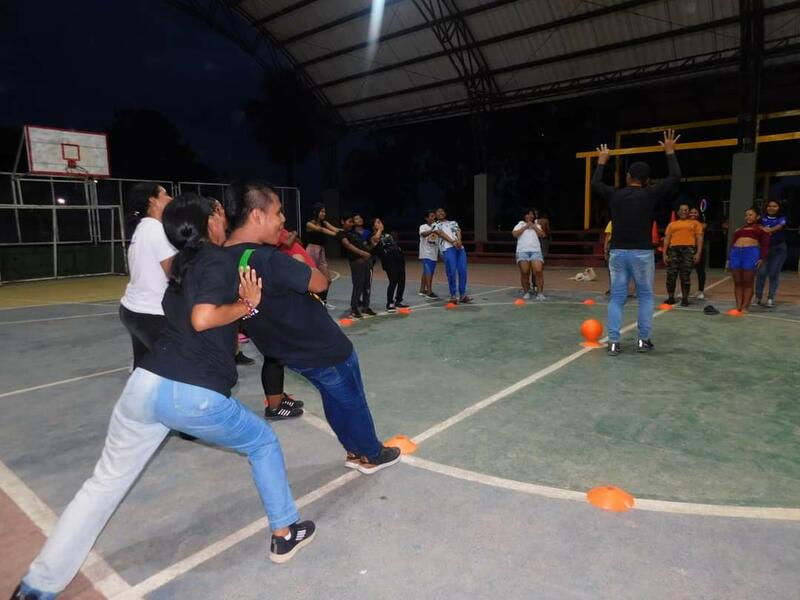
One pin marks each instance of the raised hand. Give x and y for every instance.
(670, 141)
(604, 154)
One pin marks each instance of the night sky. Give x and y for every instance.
(73, 64)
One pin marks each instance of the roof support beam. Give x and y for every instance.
(605, 10)
(722, 59)
(554, 59)
(283, 12)
(335, 23)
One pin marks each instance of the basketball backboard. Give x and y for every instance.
(67, 152)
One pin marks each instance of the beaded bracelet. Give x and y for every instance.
(252, 310)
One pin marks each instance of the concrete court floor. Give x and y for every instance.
(484, 506)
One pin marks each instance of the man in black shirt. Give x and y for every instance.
(358, 254)
(631, 254)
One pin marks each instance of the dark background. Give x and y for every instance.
(180, 101)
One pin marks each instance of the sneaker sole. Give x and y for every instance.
(374, 469)
(351, 464)
(283, 558)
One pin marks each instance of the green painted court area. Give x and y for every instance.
(711, 416)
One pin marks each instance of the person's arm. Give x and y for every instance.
(208, 316)
(331, 228)
(598, 187)
(353, 249)
(166, 264)
(777, 227)
(318, 283)
(606, 245)
(518, 231)
(445, 237)
(427, 232)
(668, 185)
(538, 229)
(667, 240)
(764, 243)
(698, 242)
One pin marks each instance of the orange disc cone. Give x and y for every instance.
(403, 442)
(734, 313)
(404, 311)
(519, 302)
(345, 322)
(450, 305)
(665, 306)
(610, 497)
(589, 302)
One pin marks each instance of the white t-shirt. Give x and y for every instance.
(149, 246)
(529, 240)
(451, 229)
(428, 248)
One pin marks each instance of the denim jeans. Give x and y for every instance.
(345, 404)
(625, 265)
(455, 265)
(772, 267)
(147, 409)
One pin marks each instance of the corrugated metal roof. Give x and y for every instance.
(514, 45)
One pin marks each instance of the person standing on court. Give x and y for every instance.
(428, 255)
(773, 223)
(317, 231)
(683, 246)
(631, 251)
(454, 256)
(149, 263)
(360, 258)
(529, 254)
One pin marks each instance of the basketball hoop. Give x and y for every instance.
(72, 163)
(74, 169)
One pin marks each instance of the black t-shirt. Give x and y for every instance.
(632, 207)
(354, 238)
(387, 249)
(201, 358)
(292, 326)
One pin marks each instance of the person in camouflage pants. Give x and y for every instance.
(682, 240)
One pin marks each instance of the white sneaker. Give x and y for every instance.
(770, 303)
(540, 297)
(526, 296)
(700, 296)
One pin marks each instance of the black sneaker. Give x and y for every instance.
(290, 402)
(385, 458)
(670, 300)
(355, 314)
(432, 296)
(644, 346)
(684, 302)
(390, 308)
(301, 533)
(465, 299)
(281, 413)
(614, 348)
(241, 359)
(401, 304)
(368, 311)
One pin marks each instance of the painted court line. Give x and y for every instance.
(58, 318)
(171, 573)
(686, 508)
(63, 381)
(105, 579)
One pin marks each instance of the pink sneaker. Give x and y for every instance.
(243, 339)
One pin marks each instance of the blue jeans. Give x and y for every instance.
(625, 265)
(147, 409)
(455, 264)
(773, 266)
(345, 404)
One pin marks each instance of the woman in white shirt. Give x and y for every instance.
(149, 262)
(529, 254)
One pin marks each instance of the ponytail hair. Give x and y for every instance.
(139, 202)
(186, 225)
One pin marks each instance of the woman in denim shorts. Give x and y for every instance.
(529, 254)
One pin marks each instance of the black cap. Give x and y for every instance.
(640, 171)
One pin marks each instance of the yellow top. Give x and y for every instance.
(608, 227)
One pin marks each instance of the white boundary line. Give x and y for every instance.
(105, 579)
(171, 573)
(336, 273)
(55, 383)
(522, 383)
(58, 318)
(686, 508)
